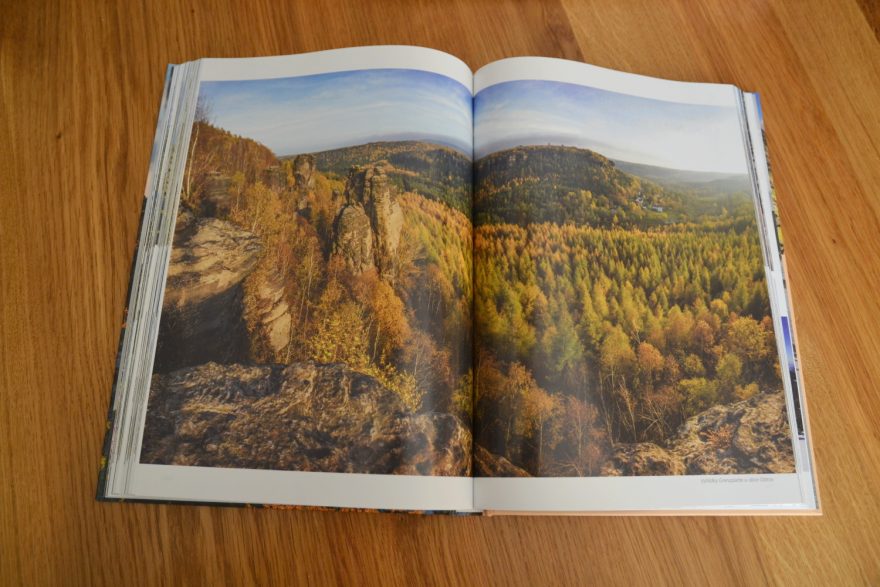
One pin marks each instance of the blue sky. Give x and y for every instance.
(313, 113)
(619, 126)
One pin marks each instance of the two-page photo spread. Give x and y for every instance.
(368, 278)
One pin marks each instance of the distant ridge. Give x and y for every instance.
(338, 160)
(685, 179)
(436, 171)
(398, 139)
(553, 183)
(559, 184)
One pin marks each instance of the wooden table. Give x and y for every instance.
(79, 91)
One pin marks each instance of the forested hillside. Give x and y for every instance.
(434, 171)
(215, 151)
(354, 276)
(568, 184)
(601, 322)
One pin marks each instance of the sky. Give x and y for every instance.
(314, 113)
(619, 126)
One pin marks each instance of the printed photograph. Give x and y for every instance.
(622, 320)
(317, 312)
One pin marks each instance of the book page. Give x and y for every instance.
(314, 346)
(626, 340)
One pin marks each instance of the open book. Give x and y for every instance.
(371, 278)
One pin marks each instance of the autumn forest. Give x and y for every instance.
(391, 308)
(608, 312)
(347, 272)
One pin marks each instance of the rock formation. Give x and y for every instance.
(353, 237)
(487, 464)
(436, 444)
(270, 314)
(750, 436)
(367, 228)
(304, 172)
(202, 308)
(643, 458)
(303, 416)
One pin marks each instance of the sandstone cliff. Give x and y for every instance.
(750, 436)
(367, 228)
(268, 315)
(304, 416)
(202, 308)
(353, 237)
(304, 172)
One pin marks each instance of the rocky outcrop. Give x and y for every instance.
(386, 217)
(750, 436)
(643, 458)
(371, 212)
(487, 464)
(304, 172)
(436, 444)
(270, 313)
(202, 308)
(353, 237)
(303, 416)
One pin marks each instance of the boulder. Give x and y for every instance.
(436, 444)
(643, 458)
(746, 437)
(487, 464)
(303, 416)
(202, 308)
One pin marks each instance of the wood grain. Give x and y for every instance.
(79, 89)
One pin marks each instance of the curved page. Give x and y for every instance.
(314, 342)
(627, 343)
